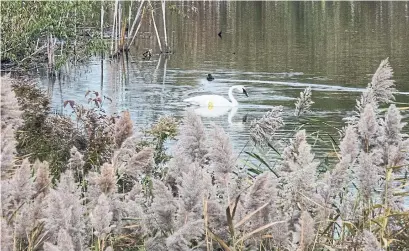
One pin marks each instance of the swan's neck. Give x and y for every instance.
(231, 115)
(232, 99)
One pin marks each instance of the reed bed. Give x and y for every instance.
(54, 34)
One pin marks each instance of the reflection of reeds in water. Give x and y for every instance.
(200, 199)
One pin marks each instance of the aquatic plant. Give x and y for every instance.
(304, 102)
(262, 131)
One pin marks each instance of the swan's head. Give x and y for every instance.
(242, 89)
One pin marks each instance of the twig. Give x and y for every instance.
(37, 51)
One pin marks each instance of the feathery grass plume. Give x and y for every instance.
(304, 233)
(262, 191)
(216, 216)
(368, 128)
(335, 180)
(298, 180)
(123, 128)
(379, 90)
(177, 165)
(141, 163)
(99, 183)
(163, 208)
(398, 156)
(196, 185)
(186, 238)
(382, 84)
(65, 210)
(8, 150)
(222, 160)
(262, 131)
(122, 156)
(17, 190)
(42, 181)
(7, 241)
(64, 242)
(349, 145)
(367, 173)
(10, 121)
(9, 106)
(304, 102)
(298, 163)
(28, 220)
(192, 138)
(395, 143)
(156, 243)
(76, 161)
(101, 218)
(106, 181)
(131, 207)
(393, 125)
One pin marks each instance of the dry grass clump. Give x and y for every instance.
(201, 200)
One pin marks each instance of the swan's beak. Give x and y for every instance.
(245, 92)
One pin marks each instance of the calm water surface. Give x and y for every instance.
(275, 49)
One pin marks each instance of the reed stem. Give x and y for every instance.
(164, 24)
(113, 27)
(102, 19)
(154, 25)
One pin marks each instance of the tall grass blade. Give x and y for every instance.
(247, 217)
(245, 237)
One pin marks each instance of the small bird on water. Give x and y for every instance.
(220, 34)
(147, 54)
(210, 77)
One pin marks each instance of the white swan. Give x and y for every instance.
(216, 100)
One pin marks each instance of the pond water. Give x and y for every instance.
(275, 49)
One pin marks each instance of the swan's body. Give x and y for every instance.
(216, 100)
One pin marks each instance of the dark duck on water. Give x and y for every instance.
(210, 77)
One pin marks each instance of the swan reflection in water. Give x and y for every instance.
(218, 111)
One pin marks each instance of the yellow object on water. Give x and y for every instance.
(210, 105)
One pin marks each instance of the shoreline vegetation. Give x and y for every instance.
(53, 35)
(91, 182)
